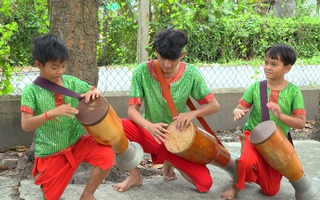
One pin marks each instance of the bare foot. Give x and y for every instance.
(134, 179)
(230, 193)
(87, 197)
(168, 172)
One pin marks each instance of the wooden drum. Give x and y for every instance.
(196, 145)
(276, 149)
(103, 124)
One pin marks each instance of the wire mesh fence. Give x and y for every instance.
(243, 41)
(118, 79)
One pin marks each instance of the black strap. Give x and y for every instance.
(51, 86)
(264, 100)
(264, 109)
(290, 138)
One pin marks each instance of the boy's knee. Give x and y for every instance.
(270, 191)
(248, 162)
(204, 185)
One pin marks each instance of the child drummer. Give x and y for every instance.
(149, 128)
(60, 143)
(286, 108)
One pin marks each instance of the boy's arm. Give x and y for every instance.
(239, 112)
(210, 108)
(157, 130)
(91, 94)
(183, 119)
(295, 121)
(30, 122)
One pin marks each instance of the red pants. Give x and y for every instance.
(251, 167)
(53, 173)
(198, 173)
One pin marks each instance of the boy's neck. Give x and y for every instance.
(277, 84)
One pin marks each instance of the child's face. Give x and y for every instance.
(169, 67)
(274, 69)
(52, 70)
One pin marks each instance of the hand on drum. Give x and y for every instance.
(158, 131)
(183, 119)
(92, 94)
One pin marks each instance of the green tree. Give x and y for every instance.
(16, 35)
(6, 31)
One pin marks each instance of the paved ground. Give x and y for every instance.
(157, 188)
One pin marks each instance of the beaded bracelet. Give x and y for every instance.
(48, 118)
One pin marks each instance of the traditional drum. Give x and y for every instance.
(198, 146)
(104, 125)
(279, 153)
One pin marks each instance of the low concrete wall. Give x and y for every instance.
(11, 133)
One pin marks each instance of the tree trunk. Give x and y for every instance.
(143, 31)
(315, 135)
(76, 22)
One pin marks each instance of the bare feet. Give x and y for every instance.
(230, 193)
(134, 179)
(95, 179)
(87, 197)
(168, 172)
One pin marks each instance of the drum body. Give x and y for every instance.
(103, 124)
(276, 149)
(196, 145)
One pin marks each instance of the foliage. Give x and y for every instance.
(6, 31)
(118, 28)
(17, 33)
(38, 23)
(220, 31)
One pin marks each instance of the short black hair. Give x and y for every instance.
(286, 54)
(169, 43)
(49, 48)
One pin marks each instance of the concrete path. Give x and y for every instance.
(157, 188)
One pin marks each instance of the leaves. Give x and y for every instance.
(219, 30)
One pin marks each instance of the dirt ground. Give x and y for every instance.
(17, 162)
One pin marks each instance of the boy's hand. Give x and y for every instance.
(183, 119)
(275, 108)
(158, 131)
(63, 110)
(91, 95)
(239, 113)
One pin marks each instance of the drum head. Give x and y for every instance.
(262, 132)
(179, 141)
(93, 112)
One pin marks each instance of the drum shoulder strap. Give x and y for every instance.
(264, 100)
(171, 105)
(264, 109)
(46, 84)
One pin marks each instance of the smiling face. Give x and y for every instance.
(52, 70)
(274, 69)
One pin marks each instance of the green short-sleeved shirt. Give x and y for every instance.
(53, 136)
(146, 87)
(290, 101)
